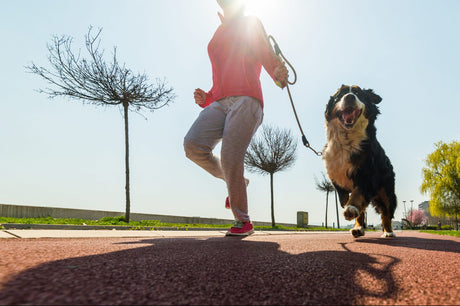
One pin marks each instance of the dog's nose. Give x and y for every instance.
(350, 98)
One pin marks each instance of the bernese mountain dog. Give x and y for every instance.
(355, 162)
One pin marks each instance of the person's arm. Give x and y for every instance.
(272, 63)
(202, 98)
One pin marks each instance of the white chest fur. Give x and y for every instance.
(341, 144)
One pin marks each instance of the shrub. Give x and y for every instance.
(113, 220)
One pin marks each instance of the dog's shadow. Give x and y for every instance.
(206, 271)
(444, 244)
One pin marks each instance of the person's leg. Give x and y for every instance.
(203, 136)
(227, 200)
(243, 118)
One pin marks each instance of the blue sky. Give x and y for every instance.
(64, 153)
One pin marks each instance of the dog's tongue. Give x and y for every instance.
(348, 115)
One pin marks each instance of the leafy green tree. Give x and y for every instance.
(441, 179)
(271, 152)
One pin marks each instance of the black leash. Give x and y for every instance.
(279, 53)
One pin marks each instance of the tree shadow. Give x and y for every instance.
(197, 271)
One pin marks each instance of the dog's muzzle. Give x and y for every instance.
(350, 111)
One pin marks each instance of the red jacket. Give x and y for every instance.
(238, 50)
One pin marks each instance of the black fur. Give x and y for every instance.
(372, 171)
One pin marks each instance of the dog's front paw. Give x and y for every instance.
(388, 235)
(357, 231)
(350, 212)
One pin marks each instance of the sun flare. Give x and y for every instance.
(265, 9)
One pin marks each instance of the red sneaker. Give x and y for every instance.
(240, 228)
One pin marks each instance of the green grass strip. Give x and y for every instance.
(120, 221)
(116, 221)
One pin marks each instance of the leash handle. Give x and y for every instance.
(280, 54)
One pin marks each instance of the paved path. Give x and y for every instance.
(415, 269)
(26, 233)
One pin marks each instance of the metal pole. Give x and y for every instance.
(405, 214)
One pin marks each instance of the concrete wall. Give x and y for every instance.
(22, 211)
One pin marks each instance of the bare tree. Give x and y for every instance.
(337, 208)
(97, 82)
(271, 152)
(326, 186)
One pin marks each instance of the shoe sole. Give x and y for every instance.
(240, 234)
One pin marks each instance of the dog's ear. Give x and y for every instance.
(373, 97)
(329, 107)
(337, 93)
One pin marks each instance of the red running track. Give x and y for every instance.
(413, 269)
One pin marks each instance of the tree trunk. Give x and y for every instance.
(272, 200)
(456, 218)
(337, 209)
(327, 199)
(128, 201)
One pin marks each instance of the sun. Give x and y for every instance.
(264, 9)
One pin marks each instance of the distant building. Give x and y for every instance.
(424, 206)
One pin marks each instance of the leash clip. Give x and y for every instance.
(307, 144)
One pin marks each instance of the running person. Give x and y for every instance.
(233, 108)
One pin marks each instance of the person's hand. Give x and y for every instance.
(281, 74)
(200, 96)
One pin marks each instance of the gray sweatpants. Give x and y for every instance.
(232, 120)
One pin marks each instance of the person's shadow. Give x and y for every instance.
(206, 271)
